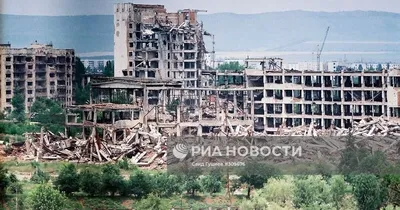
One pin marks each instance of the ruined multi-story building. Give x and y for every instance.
(160, 72)
(151, 43)
(37, 71)
(275, 97)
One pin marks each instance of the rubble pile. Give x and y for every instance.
(366, 127)
(143, 146)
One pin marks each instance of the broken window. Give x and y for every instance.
(278, 94)
(288, 93)
(297, 79)
(151, 74)
(288, 79)
(270, 109)
(288, 108)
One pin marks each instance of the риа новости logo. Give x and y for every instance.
(180, 151)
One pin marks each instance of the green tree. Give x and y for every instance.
(191, 185)
(109, 69)
(15, 186)
(140, 184)
(82, 95)
(280, 191)
(338, 190)
(366, 190)
(152, 202)
(4, 181)
(256, 174)
(392, 183)
(49, 114)
(232, 67)
(165, 185)
(88, 179)
(311, 192)
(211, 184)
(360, 68)
(351, 157)
(379, 67)
(18, 103)
(79, 72)
(39, 176)
(68, 179)
(173, 105)
(111, 179)
(371, 68)
(256, 202)
(44, 197)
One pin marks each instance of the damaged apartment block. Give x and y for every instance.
(154, 44)
(160, 70)
(292, 98)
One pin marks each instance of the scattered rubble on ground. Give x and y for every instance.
(146, 146)
(366, 127)
(143, 146)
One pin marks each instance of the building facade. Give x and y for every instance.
(151, 43)
(37, 71)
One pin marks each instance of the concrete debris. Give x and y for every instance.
(142, 146)
(366, 127)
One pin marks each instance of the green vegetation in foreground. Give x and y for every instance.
(157, 190)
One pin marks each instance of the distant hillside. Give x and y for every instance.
(280, 31)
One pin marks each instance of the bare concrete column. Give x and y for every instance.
(252, 104)
(40, 152)
(235, 103)
(145, 103)
(200, 109)
(342, 96)
(178, 121)
(83, 127)
(199, 130)
(217, 104)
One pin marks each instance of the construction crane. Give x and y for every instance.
(320, 50)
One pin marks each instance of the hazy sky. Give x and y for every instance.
(90, 7)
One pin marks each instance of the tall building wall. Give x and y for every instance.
(36, 71)
(151, 43)
(295, 98)
(121, 24)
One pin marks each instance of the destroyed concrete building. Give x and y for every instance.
(36, 71)
(151, 43)
(268, 100)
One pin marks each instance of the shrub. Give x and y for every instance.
(140, 184)
(90, 181)
(68, 179)
(44, 197)
(39, 176)
(152, 202)
(123, 164)
(111, 179)
(4, 181)
(15, 188)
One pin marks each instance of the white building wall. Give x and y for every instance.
(121, 15)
